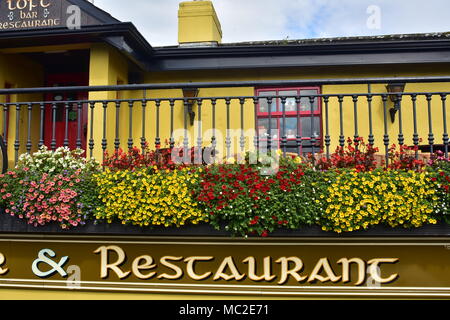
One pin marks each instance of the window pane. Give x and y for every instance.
(263, 105)
(291, 127)
(291, 105)
(306, 127)
(263, 128)
(305, 102)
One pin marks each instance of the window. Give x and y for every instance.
(304, 121)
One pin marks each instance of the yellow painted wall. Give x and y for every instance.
(107, 67)
(21, 72)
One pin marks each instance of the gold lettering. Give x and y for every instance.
(228, 262)
(2, 261)
(267, 276)
(32, 5)
(10, 5)
(286, 272)
(178, 272)
(21, 4)
(105, 265)
(346, 270)
(43, 4)
(147, 265)
(325, 265)
(190, 267)
(374, 264)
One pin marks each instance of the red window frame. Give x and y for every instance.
(278, 115)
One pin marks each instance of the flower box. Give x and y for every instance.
(13, 225)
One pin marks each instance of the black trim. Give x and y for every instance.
(336, 53)
(140, 48)
(14, 225)
(235, 84)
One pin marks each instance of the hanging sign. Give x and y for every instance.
(17, 15)
(329, 268)
(30, 14)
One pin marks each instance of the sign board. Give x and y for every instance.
(416, 268)
(41, 14)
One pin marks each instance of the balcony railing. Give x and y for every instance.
(106, 118)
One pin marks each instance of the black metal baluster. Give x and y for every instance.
(130, 124)
(228, 138)
(117, 139)
(5, 123)
(66, 124)
(186, 159)
(53, 143)
(199, 158)
(104, 140)
(256, 137)
(355, 119)
(29, 145)
(299, 139)
(326, 100)
(445, 137)
(17, 141)
(158, 138)
(312, 99)
(79, 143)
(430, 124)
(213, 139)
(371, 136)
(242, 140)
(91, 134)
(401, 137)
(269, 136)
(172, 140)
(386, 135)
(41, 125)
(416, 138)
(341, 122)
(284, 136)
(144, 111)
(143, 139)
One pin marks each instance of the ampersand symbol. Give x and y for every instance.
(44, 257)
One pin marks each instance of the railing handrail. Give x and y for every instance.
(227, 84)
(218, 98)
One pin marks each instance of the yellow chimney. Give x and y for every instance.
(198, 24)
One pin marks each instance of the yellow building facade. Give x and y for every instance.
(132, 93)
